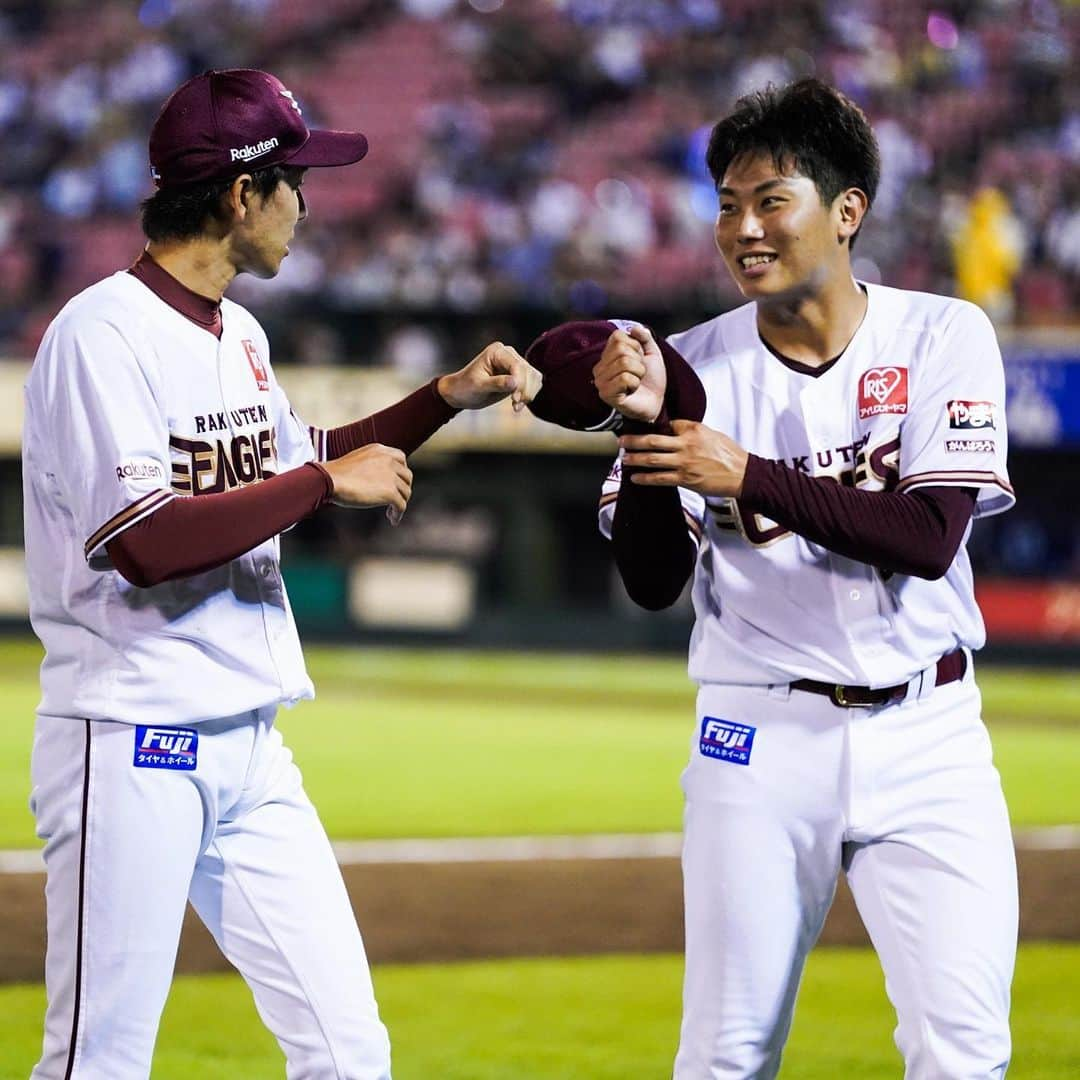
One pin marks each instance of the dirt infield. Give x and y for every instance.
(456, 910)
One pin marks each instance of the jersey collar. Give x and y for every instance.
(201, 310)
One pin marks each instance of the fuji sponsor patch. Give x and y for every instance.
(883, 390)
(166, 748)
(726, 741)
(262, 380)
(969, 446)
(972, 415)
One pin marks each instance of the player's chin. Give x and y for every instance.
(754, 287)
(267, 267)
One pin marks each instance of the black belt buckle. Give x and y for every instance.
(839, 697)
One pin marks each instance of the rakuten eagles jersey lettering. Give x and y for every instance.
(884, 417)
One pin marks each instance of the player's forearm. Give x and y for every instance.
(653, 550)
(916, 533)
(191, 535)
(406, 425)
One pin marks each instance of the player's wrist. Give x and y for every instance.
(328, 481)
(660, 424)
(755, 476)
(446, 392)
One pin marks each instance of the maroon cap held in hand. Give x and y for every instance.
(566, 356)
(223, 123)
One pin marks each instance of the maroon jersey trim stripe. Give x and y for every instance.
(970, 478)
(127, 517)
(318, 442)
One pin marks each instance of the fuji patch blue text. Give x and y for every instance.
(166, 748)
(727, 741)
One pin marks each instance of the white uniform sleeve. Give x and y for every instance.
(109, 431)
(296, 442)
(954, 433)
(692, 503)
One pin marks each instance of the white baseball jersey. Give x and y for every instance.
(917, 399)
(130, 405)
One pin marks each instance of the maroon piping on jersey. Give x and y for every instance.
(201, 310)
(80, 907)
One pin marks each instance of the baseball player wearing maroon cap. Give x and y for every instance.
(161, 460)
(820, 507)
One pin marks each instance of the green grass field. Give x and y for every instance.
(467, 744)
(597, 1018)
(409, 743)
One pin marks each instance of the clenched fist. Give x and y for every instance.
(630, 375)
(374, 475)
(497, 371)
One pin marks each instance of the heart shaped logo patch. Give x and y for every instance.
(883, 390)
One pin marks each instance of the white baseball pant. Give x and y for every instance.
(905, 798)
(126, 847)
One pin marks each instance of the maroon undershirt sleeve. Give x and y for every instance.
(406, 425)
(653, 550)
(190, 535)
(916, 533)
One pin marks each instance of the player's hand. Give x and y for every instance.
(495, 372)
(630, 375)
(695, 457)
(374, 475)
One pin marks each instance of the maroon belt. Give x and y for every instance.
(949, 668)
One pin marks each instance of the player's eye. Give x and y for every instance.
(727, 209)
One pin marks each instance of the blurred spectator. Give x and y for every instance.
(987, 248)
(518, 144)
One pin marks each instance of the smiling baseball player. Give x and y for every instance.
(160, 462)
(851, 432)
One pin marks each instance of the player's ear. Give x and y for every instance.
(238, 197)
(851, 206)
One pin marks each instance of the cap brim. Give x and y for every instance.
(328, 148)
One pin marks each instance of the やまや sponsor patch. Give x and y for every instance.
(727, 741)
(972, 415)
(883, 390)
(166, 748)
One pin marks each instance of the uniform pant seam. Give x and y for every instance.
(84, 828)
(281, 952)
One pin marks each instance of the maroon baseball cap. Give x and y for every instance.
(566, 355)
(223, 123)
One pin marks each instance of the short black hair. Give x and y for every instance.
(807, 126)
(181, 213)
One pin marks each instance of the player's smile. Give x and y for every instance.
(756, 263)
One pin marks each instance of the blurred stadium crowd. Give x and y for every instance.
(549, 153)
